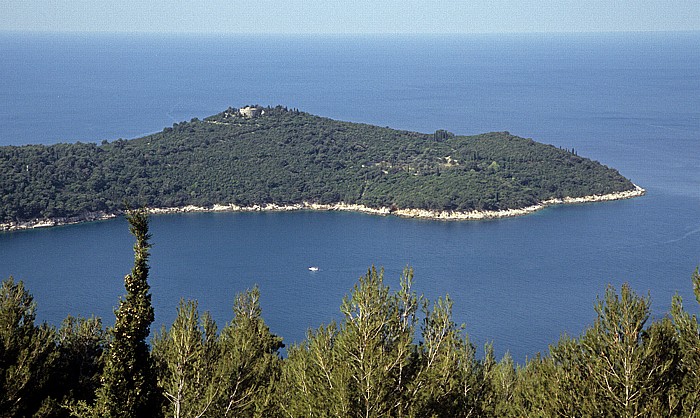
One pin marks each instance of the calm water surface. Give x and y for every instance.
(627, 100)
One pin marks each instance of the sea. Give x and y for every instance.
(628, 100)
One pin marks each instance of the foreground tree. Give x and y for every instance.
(632, 367)
(314, 381)
(81, 346)
(376, 341)
(27, 354)
(370, 366)
(187, 356)
(362, 367)
(234, 374)
(617, 368)
(249, 363)
(449, 380)
(129, 382)
(688, 334)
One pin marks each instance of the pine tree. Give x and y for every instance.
(81, 345)
(535, 391)
(27, 353)
(503, 381)
(187, 354)
(376, 341)
(449, 380)
(370, 366)
(314, 381)
(631, 368)
(249, 363)
(129, 382)
(688, 332)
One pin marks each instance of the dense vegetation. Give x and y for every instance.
(287, 157)
(367, 365)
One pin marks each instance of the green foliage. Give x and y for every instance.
(81, 346)
(370, 366)
(129, 382)
(27, 354)
(228, 375)
(187, 356)
(314, 381)
(688, 335)
(628, 365)
(449, 381)
(45, 372)
(375, 340)
(617, 368)
(249, 363)
(363, 367)
(289, 157)
(537, 392)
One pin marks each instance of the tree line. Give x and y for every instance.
(391, 354)
(288, 157)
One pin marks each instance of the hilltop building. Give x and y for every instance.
(251, 111)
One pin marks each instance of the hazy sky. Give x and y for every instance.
(350, 16)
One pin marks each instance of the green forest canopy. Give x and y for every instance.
(288, 157)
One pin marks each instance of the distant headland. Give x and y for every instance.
(258, 158)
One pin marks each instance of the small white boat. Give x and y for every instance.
(313, 268)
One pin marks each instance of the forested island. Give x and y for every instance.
(392, 353)
(258, 158)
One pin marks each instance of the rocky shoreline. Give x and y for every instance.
(45, 223)
(406, 213)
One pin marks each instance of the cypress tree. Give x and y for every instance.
(129, 381)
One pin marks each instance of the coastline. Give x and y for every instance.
(340, 206)
(45, 223)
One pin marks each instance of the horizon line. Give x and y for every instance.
(213, 33)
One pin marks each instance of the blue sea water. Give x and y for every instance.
(628, 100)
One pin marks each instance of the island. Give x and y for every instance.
(273, 158)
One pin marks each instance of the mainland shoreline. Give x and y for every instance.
(340, 206)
